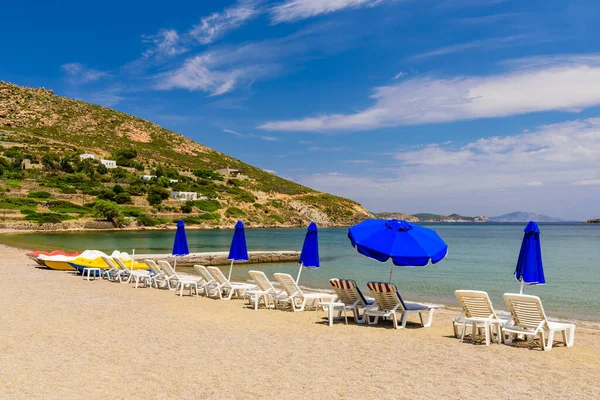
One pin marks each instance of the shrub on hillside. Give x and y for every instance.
(39, 195)
(123, 198)
(234, 212)
(109, 211)
(154, 199)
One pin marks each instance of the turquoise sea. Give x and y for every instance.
(481, 257)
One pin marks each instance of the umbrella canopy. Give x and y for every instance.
(406, 244)
(180, 246)
(309, 257)
(530, 269)
(238, 251)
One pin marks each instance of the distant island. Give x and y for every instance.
(520, 216)
(593, 221)
(428, 217)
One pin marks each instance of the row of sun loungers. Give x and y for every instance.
(527, 316)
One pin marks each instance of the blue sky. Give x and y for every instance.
(467, 106)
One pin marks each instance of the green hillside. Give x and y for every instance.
(46, 134)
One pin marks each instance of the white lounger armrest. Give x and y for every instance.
(411, 306)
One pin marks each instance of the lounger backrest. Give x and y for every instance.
(217, 275)
(288, 284)
(527, 311)
(153, 267)
(201, 269)
(348, 292)
(475, 304)
(261, 281)
(386, 295)
(121, 264)
(169, 271)
(109, 262)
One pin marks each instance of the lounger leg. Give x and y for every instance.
(329, 314)
(421, 318)
(550, 339)
(487, 333)
(474, 332)
(543, 340)
(464, 328)
(570, 337)
(395, 319)
(429, 318)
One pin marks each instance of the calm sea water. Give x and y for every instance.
(481, 257)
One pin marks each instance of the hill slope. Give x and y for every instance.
(52, 131)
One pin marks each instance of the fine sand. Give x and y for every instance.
(63, 337)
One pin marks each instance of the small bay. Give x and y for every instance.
(481, 257)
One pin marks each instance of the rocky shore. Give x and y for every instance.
(220, 258)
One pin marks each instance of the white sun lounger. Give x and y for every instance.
(158, 278)
(180, 281)
(140, 276)
(529, 318)
(224, 288)
(265, 290)
(114, 273)
(477, 312)
(350, 298)
(209, 283)
(388, 303)
(294, 296)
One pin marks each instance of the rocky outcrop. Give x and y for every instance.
(220, 258)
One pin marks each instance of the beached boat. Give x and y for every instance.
(34, 255)
(61, 262)
(80, 263)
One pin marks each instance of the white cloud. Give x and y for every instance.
(358, 161)
(399, 75)
(269, 171)
(489, 175)
(269, 138)
(568, 84)
(166, 43)
(78, 73)
(216, 25)
(587, 182)
(485, 44)
(295, 10)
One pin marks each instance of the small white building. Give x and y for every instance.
(173, 180)
(86, 155)
(147, 177)
(184, 196)
(109, 163)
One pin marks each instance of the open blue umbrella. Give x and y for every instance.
(309, 257)
(180, 245)
(530, 269)
(406, 244)
(238, 250)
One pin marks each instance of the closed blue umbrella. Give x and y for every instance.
(180, 245)
(309, 257)
(238, 251)
(406, 244)
(530, 269)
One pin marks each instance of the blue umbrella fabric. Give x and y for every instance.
(309, 257)
(238, 251)
(180, 245)
(530, 269)
(408, 245)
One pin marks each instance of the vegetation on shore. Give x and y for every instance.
(43, 179)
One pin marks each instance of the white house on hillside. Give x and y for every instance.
(109, 163)
(147, 177)
(86, 155)
(184, 196)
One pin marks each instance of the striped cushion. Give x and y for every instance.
(384, 287)
(348, 285)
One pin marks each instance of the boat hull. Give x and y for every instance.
(81, 263)
(58, 265)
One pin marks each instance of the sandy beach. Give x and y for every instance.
(66, 338)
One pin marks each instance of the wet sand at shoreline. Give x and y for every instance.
(63, 337)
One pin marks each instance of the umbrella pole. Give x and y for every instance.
(299, 273)
(174, 263)
(230, 270)
(522, 284)
(391, 272)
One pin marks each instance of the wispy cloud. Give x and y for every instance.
(166, 43)
(486, 19)
(295, 10)
(217, 24)
(252, 135)
(358, 161)
(226, 68)
(78, 73)
(529, 168)
(485, 44)
(570, 84)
